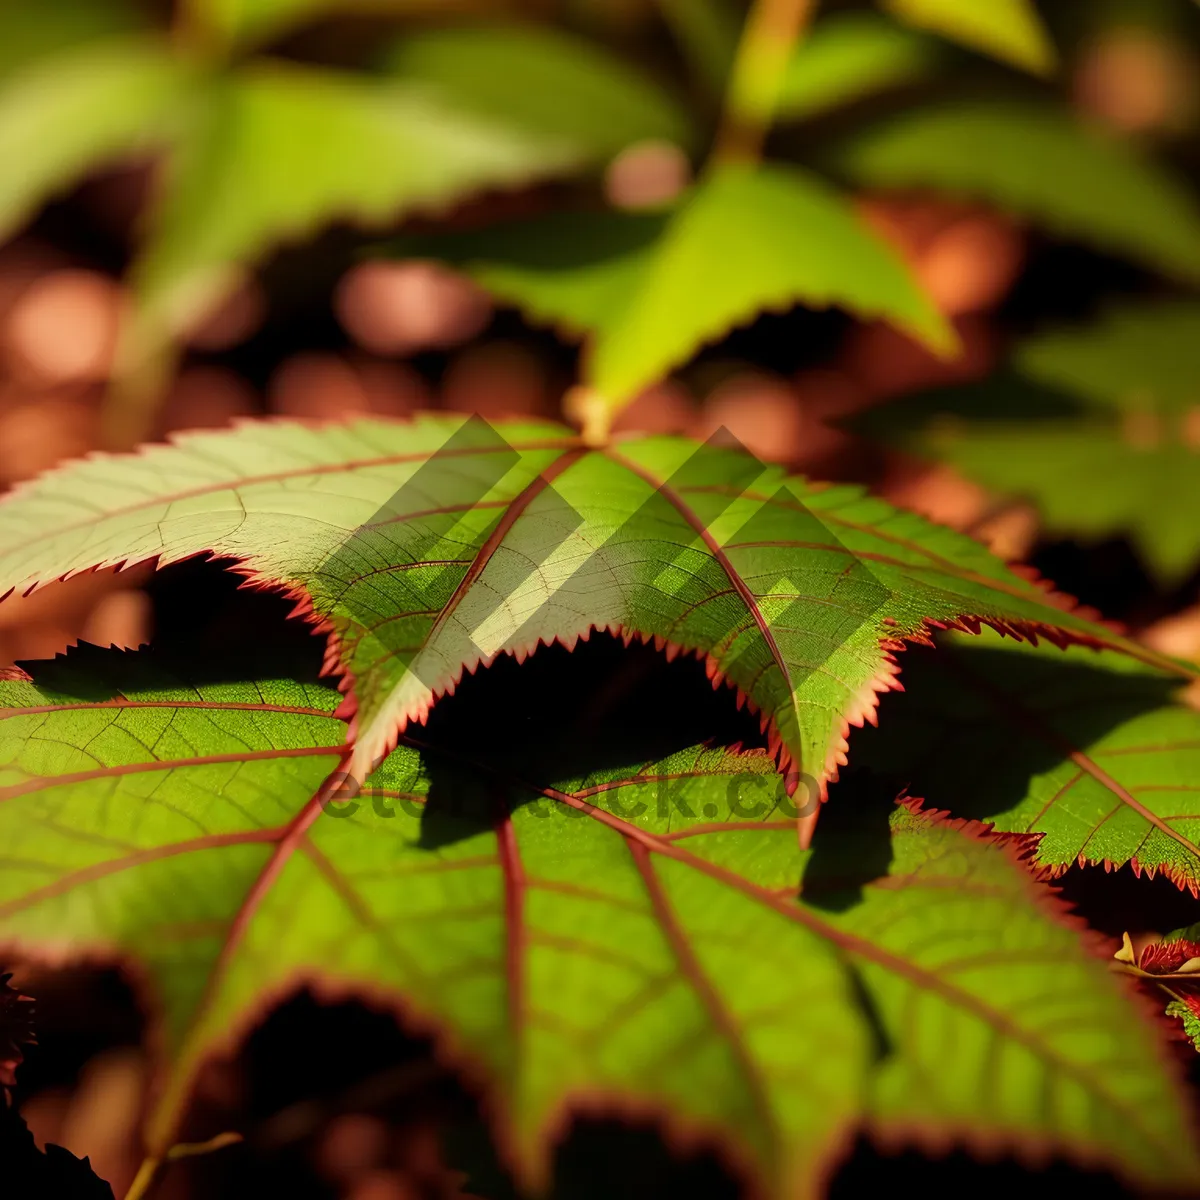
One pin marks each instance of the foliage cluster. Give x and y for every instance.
(588, 919)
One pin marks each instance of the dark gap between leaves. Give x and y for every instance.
(220, 629)
(600, 705)
(512, 729)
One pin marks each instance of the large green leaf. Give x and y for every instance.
(279, 150)
(573, 945)
(544, 81)
(1006, 29)
(1102, 433)
(1086, 749)
(72, 111)
(784, 238)
(648, 291)
(1037, 162)
(433, 546)
(849, 56)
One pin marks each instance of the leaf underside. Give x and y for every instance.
(430, 547)
(576, 945)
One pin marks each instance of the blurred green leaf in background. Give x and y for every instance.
(1040, 163)
(266, 131)
(1098, 425)
(1010, 30)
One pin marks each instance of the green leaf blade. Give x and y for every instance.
(1114, 401)
(544, 81)
(239, 24)
(976, 991)
(1056, 465)
(81, 108)
(1086, 750)
(26, 34)
(1142, 356)
(646, 291)
(113, 768)
(785, 239)
(572, 271)
(793, 592)
(1037, 162)
(586, 943)
(247, 177)
(849, 56)
(1010, 30)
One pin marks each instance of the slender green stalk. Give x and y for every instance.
(193, 1149)
(770, 35)
(145, 1179)
(151, 1169)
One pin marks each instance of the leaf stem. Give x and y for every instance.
(192, 1149)
(146, 1178)
(152, 1165)
(768, 40)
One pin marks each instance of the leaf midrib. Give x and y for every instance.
(691, 968)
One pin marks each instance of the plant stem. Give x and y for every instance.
(151, 1169)
(145, 1179)
(194, 1149)
(770, 35)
